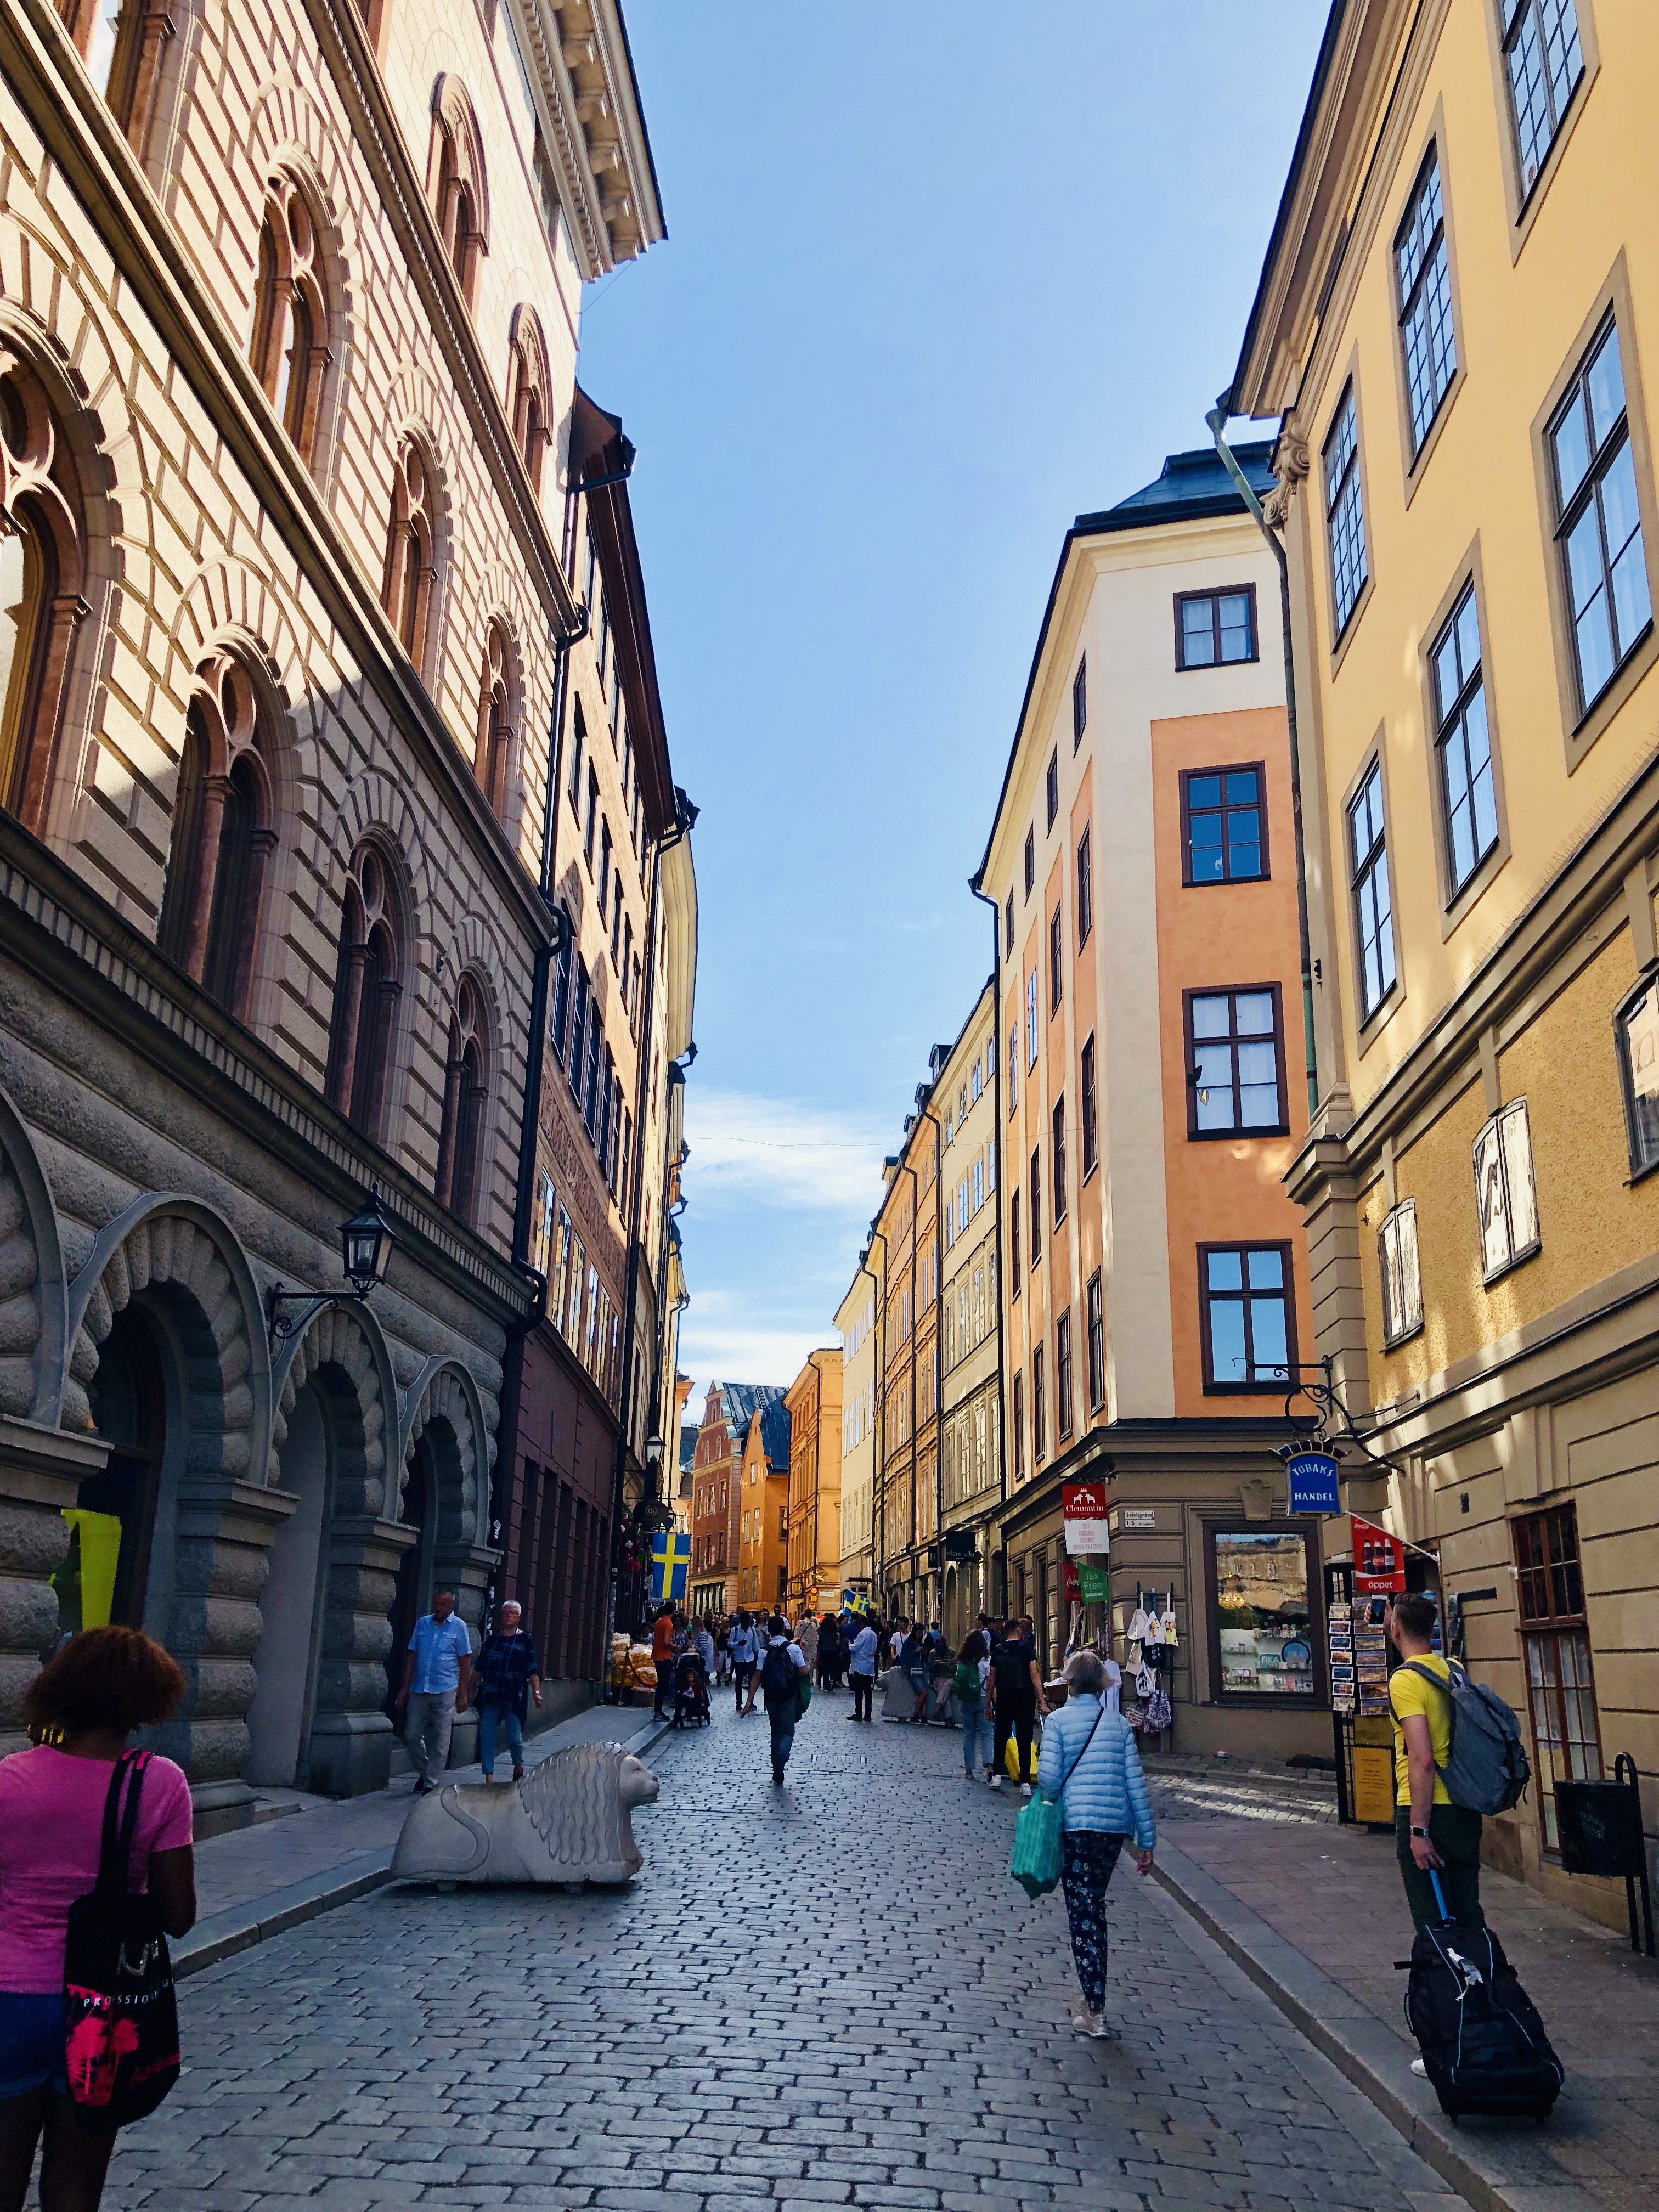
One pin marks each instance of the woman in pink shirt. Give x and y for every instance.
(102, 1685)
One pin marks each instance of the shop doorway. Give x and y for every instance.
(105, 1577)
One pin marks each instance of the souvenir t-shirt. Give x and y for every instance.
(51, 1827)
(1408, 1694)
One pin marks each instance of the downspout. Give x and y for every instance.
(1217, 419)
(878, 1429)
(977, 886)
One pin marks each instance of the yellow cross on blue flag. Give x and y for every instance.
(671, 1556)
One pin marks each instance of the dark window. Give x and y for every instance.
(1056, 961)
(1345, 508)
(368, 987)
(1085, 890)
(1063, 1374)
(1224, 829)
(591, 1084)
(1079, 702)
(1019, 1427)
(1030, 860)
(465, 1092)
(1039, 1410)
(1213, 627)
(1245, 1307)
(1560, 1683)
(1637, 1030)
(1545, 65)
(578, 1033)
(1086, 1088)
(1096, 1344)
(1599, 525)
(578, 741)
(1263, 1588)
(1373, 908)
(1013, 1244)
(1008, 927)
(1051, 787)
(561, 979)
(1059, 1161)
(1463, 743)
(1037, 1204)
(1235, 1063)
(1421, 265)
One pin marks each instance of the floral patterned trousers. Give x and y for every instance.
(1090, 1859)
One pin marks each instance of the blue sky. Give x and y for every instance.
(939, 277)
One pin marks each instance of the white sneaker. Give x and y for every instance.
(1420, 2069)
(996, 1782)
(1024, 1788)
(1090, 2023)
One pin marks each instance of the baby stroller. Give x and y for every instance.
(691, 1692)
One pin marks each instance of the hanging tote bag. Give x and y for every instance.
(120, 2017)
(1039, 1850)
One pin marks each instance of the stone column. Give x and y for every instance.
(41, 1474)
(351, 1739)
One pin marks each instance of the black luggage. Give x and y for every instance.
(1482, 2039)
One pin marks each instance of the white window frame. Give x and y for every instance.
(1505, 1191)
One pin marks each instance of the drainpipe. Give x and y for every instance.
(977, 885)
(1217, 419)
(878, 1469)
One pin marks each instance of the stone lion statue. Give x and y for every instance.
(568, 1822)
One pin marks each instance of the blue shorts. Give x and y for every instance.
(32, 2042)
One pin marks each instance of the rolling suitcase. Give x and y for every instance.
(1482, 2039)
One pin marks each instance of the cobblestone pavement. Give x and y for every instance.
(827, 1995)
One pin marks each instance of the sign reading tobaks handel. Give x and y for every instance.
(1083, 1509)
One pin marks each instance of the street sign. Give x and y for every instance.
(1313, 1482)
(1083, 1509)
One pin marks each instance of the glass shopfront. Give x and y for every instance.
(1264, 1638)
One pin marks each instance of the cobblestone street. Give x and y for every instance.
(832, 1994)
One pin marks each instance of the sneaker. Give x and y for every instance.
(1024, 1788)
(422, 1788)
(996, 1782)
(1090, 2023)
(777, 1777)
(517, 1774)
(1420, 2069)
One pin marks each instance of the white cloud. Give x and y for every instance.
(782, 1152)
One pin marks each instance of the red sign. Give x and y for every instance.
(1083, 1501)
(1070, 1580)
(1379, 1560)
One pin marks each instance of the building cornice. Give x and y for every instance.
(587, 103)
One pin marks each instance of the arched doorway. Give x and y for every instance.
(106, 1574)
(414, 1588)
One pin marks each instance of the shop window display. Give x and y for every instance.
(1264, 1627)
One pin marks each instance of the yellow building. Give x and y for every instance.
(970, 1456)
(763, 1509)
(860, 1399)
(1453, 320)
(814, 1407)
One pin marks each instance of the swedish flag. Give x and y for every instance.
(671, 1558)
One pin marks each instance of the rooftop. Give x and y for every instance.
(1189, 484)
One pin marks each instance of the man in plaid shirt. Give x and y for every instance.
(509, 1675)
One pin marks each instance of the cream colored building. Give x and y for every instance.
(860, 1421)
(969, 1326)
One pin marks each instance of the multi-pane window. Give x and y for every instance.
(1039, 1409)
(1036, 1204)
(1051, 787)
(1546, 64)
(1345, 509)
(1222, 839)
(1008, 927)
(1086, 1110)
(1059, 1161)
(1086, 890)
(1506, 1196)
(1031, 1018)
(1600, 522)
(1056, 961)
(1401, 1275)
(1013, 1245)
(1063, 1374)
(1013, 1069)
(1373, 910)
(1019, 1428)
(1637, 1030)
(1215, 627)
(1245, 1302)
(1234, 1050)
(1421, 263)
(1030, 860)
(1079, 703)
(1560, 1683)
(1463, 744)
(1096, 1344)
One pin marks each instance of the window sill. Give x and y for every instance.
(1222, 882)
(1236, 1136)
(1407, 1336)
(1516, 1259)
(1215, 667)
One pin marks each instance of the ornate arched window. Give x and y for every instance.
(223, 836)
(121, 41)
(42, 568)
(495, 722)
(367, 985)
(290, 344)
(527, 396)
(465, 1088)
(410, 551)
(455, 182)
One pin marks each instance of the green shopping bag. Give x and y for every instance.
(805, 1697)
(1038, 1851)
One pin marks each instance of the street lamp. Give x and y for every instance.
(366, 1242)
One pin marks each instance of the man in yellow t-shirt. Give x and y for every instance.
(1432, 1834)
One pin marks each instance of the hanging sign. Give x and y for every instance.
(1083, 1509)
(1071, 1581)
(1095, 1585)
(1313, 1482)
(1379, 1560)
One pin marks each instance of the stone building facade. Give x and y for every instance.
(288, 331)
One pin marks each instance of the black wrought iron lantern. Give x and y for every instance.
(366, 1242)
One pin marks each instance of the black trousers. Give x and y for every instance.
(863, 1690)
(1018, 1721)
(741, 1670)
(1455, 1834)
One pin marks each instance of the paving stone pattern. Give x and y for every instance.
(827, 1995)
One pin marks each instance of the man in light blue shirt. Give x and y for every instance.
(743, 1649)
(437, 1678)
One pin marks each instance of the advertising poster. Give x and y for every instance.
(1379, 1560)
(1083, 1509)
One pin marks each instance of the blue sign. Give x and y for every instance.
(1313, 1482)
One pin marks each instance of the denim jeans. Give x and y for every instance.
(782, 1722)
(489, 1717)
(430, 1719)
(975, 1729)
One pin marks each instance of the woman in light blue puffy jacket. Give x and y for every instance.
(1090, 1765)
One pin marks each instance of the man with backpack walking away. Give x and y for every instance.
(783, 1670)
(1432, 1834)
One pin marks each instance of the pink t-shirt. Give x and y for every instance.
(51, 1822)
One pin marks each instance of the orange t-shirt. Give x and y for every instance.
(662, 1638)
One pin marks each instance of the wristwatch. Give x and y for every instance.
(1419, 1831)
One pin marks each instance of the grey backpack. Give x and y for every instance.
(1486, 1768)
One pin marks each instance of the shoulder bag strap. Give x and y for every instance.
(115, 1853)
(1078, 1761)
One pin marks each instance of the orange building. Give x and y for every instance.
(814, 1402)
(1152, 1094)
(763, 1509)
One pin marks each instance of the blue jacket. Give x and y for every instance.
(1106, 1790)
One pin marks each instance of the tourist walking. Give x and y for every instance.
(783, 1669)
(100, 1685)
(662, 1658)
(1090, 1765)
(1431, 1835)
(722, 1651)
(1016, 1698)
(704, 1643)
(743, 1645)
(807, 1635)
(829, 1665)
(861, 1668)
(971, 1686)
(509, 1675)
(437, 1681)
(912, 1662)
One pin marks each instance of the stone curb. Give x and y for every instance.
(1482, 2169)
(222, 1934)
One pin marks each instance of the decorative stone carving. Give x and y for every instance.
(1291, 466)
(568, 1821)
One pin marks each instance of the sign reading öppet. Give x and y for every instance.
(1083, 1509)
(1379, 1560)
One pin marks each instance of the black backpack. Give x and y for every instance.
(121, 2018)
(779, 1679)
(1482, 2041)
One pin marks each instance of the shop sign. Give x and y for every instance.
(1095, 1585)
(1070, 1581)
(1313, 1482)
(1083, 1509)
(1379, 1560)
(1373, 1794)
